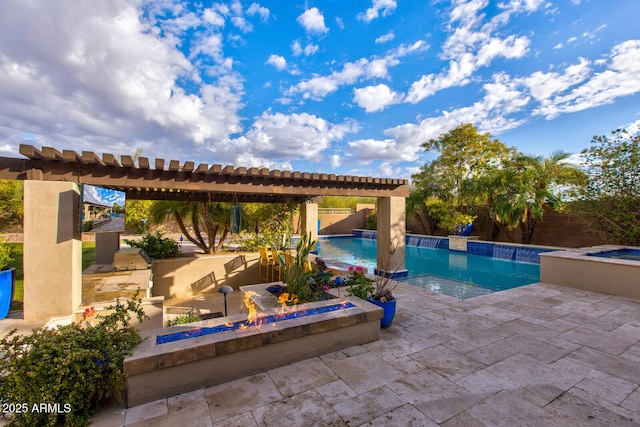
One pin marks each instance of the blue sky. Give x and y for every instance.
(102, 196)
(345, 87)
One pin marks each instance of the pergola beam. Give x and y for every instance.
(186, 182)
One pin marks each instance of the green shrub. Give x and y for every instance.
(74, 366)
(156, 246)
(371, 221)
(185, 318)
(358, 285)
(5, 254)
(87, 225)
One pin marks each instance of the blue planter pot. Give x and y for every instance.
(7, 285)
(388, 311)
(464, 230)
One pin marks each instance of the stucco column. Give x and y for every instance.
(309, 219)
(391, 232)
(107, 244)
(52, 249)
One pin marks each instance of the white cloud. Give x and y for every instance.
(340, 23)
(107, 81)
(336, 161)
(213, 17)
(289, 137)
(544, 85)
(277, 61)
(620, 78)
(313, 21)
(308, 50)
(472, 45)
(318, 87)
(385, 38)
(385, 6)
(375, 98)
(255, 8)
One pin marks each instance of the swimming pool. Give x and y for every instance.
(458, 274)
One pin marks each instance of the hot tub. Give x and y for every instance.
(609, 269)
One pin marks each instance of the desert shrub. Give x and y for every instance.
(5, 254)
(70, 369)
(190, 317)
(156, 246)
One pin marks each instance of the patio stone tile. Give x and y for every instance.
(531, 379)
(433, 395)
(245, 419)
(301, 376)
(184, 409)
(523, 327)
(584, 412)
(236, 397)
(506, 410)
(111, 414)
(391, 347)
(406, 365)
(480, 385)
(406, 416)
(630, 328)
(368, 406)
(448, 362)
(364, 372)
(617, 366)
(463, 419)
(609, 342)
(354, 350)
(335, 392)
(605, 323)
(496, 314)
(632, 402)
(607, 387)
(304, 409)
(467, 340)
(146, 412)
(544, 351)
(633, 353)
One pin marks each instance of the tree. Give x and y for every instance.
(610, 199)
(11, 206)
(527, 184)
(136, 213)
(464, 154)
(208, 218)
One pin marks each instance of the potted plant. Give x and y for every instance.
(302, 283)
(7, 279)
(357, 284)
(384, 285)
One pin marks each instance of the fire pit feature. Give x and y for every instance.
(194, 333)
(182, 358)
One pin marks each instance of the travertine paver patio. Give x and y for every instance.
(539, 355)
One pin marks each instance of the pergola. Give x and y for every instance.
(52, 241)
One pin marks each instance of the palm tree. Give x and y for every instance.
(210, 216)
(530, 183)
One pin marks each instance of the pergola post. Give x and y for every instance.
(309, 219)
(391, 233)
(52, 249)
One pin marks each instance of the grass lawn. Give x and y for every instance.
(88, 258)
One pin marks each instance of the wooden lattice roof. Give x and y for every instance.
(172, 180)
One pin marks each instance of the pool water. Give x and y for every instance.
(457, 274)
(628, 254)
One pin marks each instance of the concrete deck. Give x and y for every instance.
(537, 355)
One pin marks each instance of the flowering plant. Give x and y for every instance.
(358, 284)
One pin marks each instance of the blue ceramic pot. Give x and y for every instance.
(464, 230)
(388, 311)
(7, 285)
